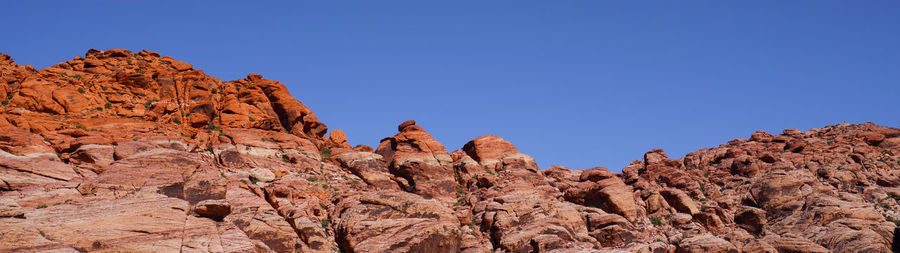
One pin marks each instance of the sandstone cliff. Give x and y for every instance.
(134, 152)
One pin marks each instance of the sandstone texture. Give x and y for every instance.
(121, 151)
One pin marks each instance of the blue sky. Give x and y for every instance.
(573, 83)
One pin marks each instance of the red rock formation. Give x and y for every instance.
(119, 151)
(421, 161)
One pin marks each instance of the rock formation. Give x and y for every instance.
(119, 151)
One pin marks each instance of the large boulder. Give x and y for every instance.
(606, 191)
(385, 221)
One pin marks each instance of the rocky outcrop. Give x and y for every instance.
(121, 151)
(600, 188)
(386, 221)
(420, 161)
(146, 86)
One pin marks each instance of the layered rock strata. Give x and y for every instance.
(120, 151)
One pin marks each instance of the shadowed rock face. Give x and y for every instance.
(121, 151)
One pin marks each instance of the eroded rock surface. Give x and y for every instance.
(118, 151)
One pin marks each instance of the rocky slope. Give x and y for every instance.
(133, 152)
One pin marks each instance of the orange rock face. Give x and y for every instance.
(119, 151)
(145, 86)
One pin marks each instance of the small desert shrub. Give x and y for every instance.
(325, 153)
(656, 221)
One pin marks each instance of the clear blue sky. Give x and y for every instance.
(574, 83)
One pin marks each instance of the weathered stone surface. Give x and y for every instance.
(145, 221)
(608, 193)
(385, 221)
(10, 208)
(132, 151)
(21, 143)
(680, 201)
(751, 219)
(339, 138)
(22, 172)
(418, 158)
(130, 148)
(521, 212)
(213, 209)
(259, 221)
(794, 244)
(370, 167)
(262, 174)
(704, 244)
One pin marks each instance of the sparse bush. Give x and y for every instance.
(656, 221)
(107, 105)
(81, 90)
(325, 153)
(896, 222)
(149, 102)
(42, 206)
